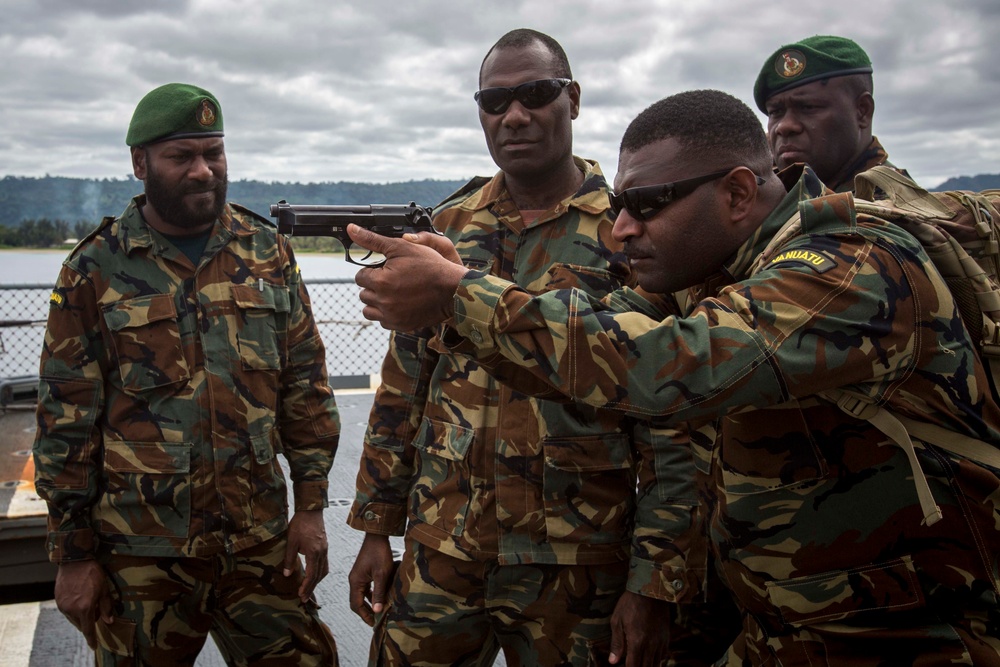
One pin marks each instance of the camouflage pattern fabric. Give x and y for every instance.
(481, 471)
(814, 518)
(168, 390)
(165, 608)
(447, 612)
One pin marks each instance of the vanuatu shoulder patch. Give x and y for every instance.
(56, 299)
(816, 261)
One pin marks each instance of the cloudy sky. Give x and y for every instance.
(381, 90)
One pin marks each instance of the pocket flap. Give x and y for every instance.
(262, 295)
(140, 311)
(888, 586)
(147, 457)
(449, 441)
(604, 451)
(263, 451)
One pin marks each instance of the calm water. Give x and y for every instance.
(30, 267)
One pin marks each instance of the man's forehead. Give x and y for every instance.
(657, 162)
(527, 63)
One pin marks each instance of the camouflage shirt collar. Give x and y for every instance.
(873, 156)
(134, 232)
(802, 183)
(591, 197)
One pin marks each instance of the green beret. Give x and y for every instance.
(175, 111)
(813, 59)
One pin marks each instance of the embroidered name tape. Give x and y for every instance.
(814, 260)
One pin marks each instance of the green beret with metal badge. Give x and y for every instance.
(812, 59)
(175, 111)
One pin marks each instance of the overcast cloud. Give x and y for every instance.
(381, 90)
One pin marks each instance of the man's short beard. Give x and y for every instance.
(169, 202)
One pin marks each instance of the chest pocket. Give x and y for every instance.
(146, 342)
(589, 488)
(767, 450)
(262, 311)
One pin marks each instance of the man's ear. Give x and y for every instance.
(574, 100)
(139, 162)
(865, 109)
(741, 193)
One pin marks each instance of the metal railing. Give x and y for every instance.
(354, 346)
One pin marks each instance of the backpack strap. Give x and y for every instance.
(861, 407)
(899, 428)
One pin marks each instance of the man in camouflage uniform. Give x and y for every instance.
(524, 529)
(826, 531)
(180, 358)
(817, 94)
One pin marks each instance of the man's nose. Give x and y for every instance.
(516, 115)
(788, 123)
(199, 169)
(625, 227)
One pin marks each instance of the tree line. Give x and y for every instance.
(43, 233)
(37, 212)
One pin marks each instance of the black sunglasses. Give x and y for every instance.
(645, 201)
(531, 95)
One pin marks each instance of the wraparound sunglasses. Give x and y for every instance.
(645, 201)
(531, 95)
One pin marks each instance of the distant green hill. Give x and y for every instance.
(974, 183)
(75, 199)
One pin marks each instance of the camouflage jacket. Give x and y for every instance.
(815, 520)
(483, 471)
(872, 157)
(168, 389)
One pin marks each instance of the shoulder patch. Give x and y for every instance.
(818, 262)
(56, 299)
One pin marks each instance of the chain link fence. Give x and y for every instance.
(354, 346)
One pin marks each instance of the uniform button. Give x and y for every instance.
(476, 336)
(677, 584)
(370, 516)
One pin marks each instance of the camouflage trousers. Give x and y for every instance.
(165, 608)
(445, 611)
